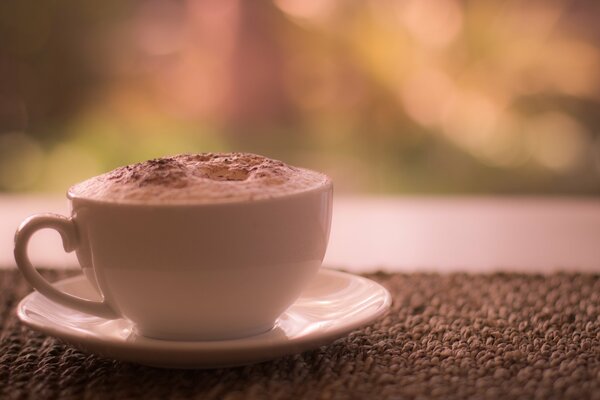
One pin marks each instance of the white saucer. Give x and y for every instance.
(335, 304)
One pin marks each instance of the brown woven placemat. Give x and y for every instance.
(447, 336)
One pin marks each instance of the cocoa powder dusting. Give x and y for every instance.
(173, 171)
(200, 177)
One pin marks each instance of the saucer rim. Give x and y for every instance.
(141, 352)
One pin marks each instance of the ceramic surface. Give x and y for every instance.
(334, 304)
(190, 272)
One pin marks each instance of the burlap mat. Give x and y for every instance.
(447, 336)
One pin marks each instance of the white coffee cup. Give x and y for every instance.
(190, 272)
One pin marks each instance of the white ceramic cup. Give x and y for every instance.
(190, 272)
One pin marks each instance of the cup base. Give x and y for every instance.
(199, 336)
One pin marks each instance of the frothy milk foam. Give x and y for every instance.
(199, 178)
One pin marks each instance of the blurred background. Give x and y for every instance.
(386, 96)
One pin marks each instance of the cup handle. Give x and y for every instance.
(68, 232)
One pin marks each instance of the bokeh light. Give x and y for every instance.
(434, 23)
(67, 163)
(411, 96)
(557, 141)
(21, 161)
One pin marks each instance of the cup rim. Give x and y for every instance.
(325, 186)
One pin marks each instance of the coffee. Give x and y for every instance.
(179, 247)
(199, 178)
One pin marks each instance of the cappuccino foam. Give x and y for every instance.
(199, 178)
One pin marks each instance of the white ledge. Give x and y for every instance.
(441, 234)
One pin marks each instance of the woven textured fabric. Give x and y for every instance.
(446, 336)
